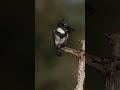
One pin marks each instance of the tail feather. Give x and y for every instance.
(58, 52)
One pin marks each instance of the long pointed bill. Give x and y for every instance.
(70, 30)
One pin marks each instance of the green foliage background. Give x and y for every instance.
(52, 73)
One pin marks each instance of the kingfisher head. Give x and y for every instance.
(62, 24)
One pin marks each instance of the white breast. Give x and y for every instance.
(60, 30)
(60, 41)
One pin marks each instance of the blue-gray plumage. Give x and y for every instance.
(60, 36)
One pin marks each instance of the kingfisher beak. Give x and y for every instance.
(70, 29)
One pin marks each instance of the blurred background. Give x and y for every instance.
(52, 73)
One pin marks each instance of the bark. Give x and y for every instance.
(80, 54)
(108, 67)
(114, 40)
(81, 68)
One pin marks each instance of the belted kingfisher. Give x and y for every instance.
(60, 36)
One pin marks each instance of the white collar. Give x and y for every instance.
(60, 30)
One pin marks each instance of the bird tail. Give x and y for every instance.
(58, 52)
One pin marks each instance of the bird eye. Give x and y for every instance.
(65, 25)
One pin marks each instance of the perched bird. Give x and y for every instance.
(60, 36)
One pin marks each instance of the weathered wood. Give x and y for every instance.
(109, 67)
(80, 54)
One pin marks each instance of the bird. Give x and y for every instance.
(60, 36)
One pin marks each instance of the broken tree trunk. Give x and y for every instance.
(108, 67)
(80, 54)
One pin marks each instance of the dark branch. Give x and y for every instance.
(94, 62)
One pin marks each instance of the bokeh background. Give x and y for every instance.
(52, 73)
